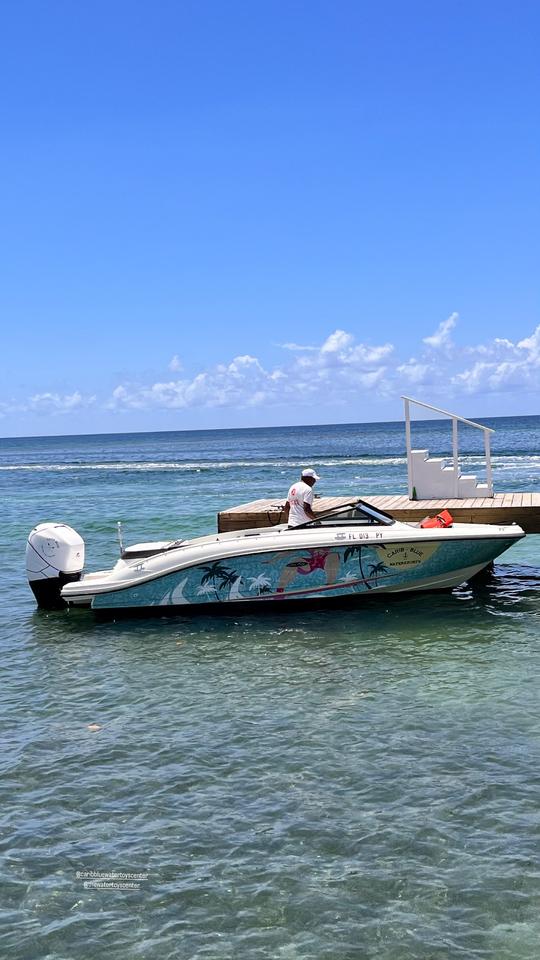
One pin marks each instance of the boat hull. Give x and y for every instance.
(330, 572)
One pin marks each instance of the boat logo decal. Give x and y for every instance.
(408, 554)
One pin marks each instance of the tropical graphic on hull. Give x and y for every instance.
(295, 574)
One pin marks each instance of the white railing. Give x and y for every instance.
(455, 457)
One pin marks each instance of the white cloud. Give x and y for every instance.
(49, 403)
(242, 382)
(496, 348)
(339, 356)
(175, 363)
(532, 345)
(441, 337)
(417, 373)
(327, 372)
(295, 347)
(369, 355)
(510, 366)
(340, 348)
(338, 342)
(54, 402)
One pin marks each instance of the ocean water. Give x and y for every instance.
(350, 784)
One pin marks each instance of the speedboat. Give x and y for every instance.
(351, 551)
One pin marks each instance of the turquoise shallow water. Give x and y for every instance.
(329, 785)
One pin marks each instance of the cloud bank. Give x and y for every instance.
(340, 369)
(49, 403)
(337, 371)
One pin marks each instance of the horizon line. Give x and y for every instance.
(283, 426)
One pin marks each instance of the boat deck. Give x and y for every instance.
(503, 508)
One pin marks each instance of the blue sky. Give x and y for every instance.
(239, 214)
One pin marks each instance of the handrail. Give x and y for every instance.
(455, 418)
(446, 413)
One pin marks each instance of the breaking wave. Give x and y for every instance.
(203, 465)
(503, 462)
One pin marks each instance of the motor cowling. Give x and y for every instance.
(54, 556)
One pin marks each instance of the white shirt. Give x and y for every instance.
(299, 494)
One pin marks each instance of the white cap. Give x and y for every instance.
(310, 473)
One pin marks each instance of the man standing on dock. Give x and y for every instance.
(298, 508)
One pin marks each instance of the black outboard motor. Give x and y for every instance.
(54, 556)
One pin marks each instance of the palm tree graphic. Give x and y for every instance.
(218, 575)
(357, 551)
(206, 589)
(227, 578)
(349, 577)
(376, 569)
(261, 584)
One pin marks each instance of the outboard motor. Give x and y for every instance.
(54, 556)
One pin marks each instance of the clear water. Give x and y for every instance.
(323, 785)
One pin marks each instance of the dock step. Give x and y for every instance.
(435, 478)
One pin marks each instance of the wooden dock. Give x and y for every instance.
(503, 508)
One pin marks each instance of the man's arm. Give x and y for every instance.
(287, 510)
(308, 509)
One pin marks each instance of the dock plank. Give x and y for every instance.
(382, 501)
(394, 502)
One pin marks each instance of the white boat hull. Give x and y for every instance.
(257, 567)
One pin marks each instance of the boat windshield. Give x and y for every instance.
(357, 514)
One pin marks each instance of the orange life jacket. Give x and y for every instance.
(443, 519)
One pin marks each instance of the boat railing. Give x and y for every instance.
(455, 418)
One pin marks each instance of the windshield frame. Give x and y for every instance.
(377, 517)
